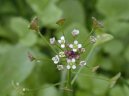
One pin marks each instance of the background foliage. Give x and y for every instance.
(16, 40)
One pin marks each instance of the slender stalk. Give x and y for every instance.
(68, 85)
(47, 42)
(63, 78)
(75, 77)
(92, 30)
(69, 79)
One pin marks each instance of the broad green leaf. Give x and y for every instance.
(20, 27)
(93, 83)
(7, 7)
(117, 28)
(4, 47)
(126, 53)
(102, 38)
(46, 10)
(114, 47)
(74, 11)
(117, 91)
(126, 90)
(105, 63)
(48, 90)
(14, 66)
(83, 93)
(7, 34)
(114, 8)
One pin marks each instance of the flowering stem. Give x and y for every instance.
(46, 41)
(92, 30)
(68, 85)
(89, 55)
(69, 79)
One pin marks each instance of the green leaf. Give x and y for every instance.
(117, 91)
(114, 47)
(92, 83)
(14, 66)
(102, 38)
(4, 47)
(114, 8)
(126, 53)
(48, 91)
(74, 11)
(20, 27)
(117, 28)
(46, 10)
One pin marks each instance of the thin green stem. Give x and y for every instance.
(69, 79)
(63, 78)
(92, 30)
(87, 59)
(46, 42)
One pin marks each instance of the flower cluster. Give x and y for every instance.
(70, 55)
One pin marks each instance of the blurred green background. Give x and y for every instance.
(16, 40)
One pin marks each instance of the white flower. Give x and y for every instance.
(93, 39)
(74, 67)
(71, 64)
(52, 40)
(68, 66)
(82, 63)
(61, 54)
(75, 46)
(62, 42)
(60, 67)
(56, 59)
(75, 32)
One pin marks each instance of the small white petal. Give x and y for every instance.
(71, 45)
(73, 60)
(61, 54)
(79, 45)
(75, 50)
(68, 60)
(60, 67)
(55, 59)
(62, 46)
(59, 41)
(74, 67)
(75, 32)
(52, 40)
(62, 38)
(75, 42)
(55, 62)
(82, 63)
(68, 66)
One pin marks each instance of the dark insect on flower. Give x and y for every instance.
(34, 24)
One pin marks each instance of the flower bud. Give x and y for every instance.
(97, 24)
(34, 24)
(75, 32)
(60, 22)
(52, 40)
